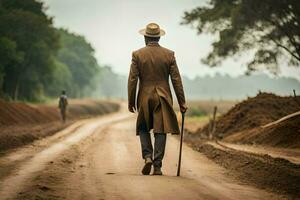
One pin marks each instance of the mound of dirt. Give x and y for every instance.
(14, 113)
(252, 113)
(273, 174)
(285, 134)
(21, 123)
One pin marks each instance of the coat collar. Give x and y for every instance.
(153, 44)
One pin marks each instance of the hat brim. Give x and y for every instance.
(161, 33)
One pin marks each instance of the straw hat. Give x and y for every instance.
(152, 30)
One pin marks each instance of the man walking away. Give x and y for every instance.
(152, 66)
(62, 105)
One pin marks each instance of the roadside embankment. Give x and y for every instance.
(244, 123)
(22, 123)
(267, 122)
(260, 170)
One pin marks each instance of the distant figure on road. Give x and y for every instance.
(62, 105)
(152, 66)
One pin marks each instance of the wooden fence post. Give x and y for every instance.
(213, 123)
(296, 98)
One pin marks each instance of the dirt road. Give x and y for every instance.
(100, 158)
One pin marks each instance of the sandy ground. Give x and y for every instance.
(100, 158)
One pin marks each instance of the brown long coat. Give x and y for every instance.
(152, 66)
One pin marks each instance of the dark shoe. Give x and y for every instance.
(147, 167)
(157, 171)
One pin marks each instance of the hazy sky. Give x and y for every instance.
(111, 26)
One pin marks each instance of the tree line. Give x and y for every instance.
(38, 60)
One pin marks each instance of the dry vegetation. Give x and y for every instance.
(206, 107)
(199, 112)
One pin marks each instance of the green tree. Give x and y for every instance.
(271, 28)
(31, 31)
(9, 57)
(38, 60)
(78, 55)
(107, 80)
(60, 79)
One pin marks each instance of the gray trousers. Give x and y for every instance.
(63, 112)
(159, 147)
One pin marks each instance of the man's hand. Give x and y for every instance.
(183, 108)
(131, 108)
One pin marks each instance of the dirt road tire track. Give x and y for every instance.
(34, 160)
(101, 160)
(12, 159)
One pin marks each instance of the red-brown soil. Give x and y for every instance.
(252, 113)
(21, 123)
(284, 134)
(263, 171)
(102, 160)
(14, 113)
(245, 123)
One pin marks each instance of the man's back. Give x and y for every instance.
(154, 62)
(63, 101)
(152, 66)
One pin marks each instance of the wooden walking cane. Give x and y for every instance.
(180, 148)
